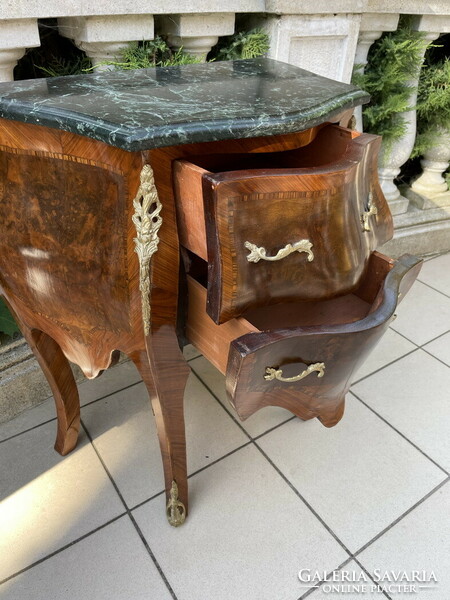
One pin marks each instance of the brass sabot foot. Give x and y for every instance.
(175, 511)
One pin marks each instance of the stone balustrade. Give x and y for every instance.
(306, 34)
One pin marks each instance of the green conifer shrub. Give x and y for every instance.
(394, 60)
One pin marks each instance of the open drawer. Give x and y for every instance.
(283, 226)
(301, 356)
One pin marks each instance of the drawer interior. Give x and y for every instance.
(329, 146)
(213, 340)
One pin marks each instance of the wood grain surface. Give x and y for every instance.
(340, 333)
(317, 193)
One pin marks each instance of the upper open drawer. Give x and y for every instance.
(283, 226)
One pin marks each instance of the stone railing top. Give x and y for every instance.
(413, 7)
(149, 108)
(24, 9)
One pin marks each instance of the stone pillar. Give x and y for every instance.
(16, 35)
(322, 43)
(196, 33)
(104, 38)
(372, 26)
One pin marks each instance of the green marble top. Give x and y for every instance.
(150, 108)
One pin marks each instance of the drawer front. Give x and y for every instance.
(308, 370)
(277, 235)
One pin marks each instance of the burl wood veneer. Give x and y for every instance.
(71, 275)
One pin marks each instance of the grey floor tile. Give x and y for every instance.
(436, 272)
(110, 381)
(351, 583)
(47, 500)
(413, 394)
(247, 536)
(110, 564)
(258, 423)
(29, 418)
(391, 347)
(124, 432)
(419, 542)
(359, 475)
(190, 352)
(423, 315)
(440, 348)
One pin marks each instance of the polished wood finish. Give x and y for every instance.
(341, 347)
(317, 192)
(69, 270)
(188, 184)
(59, 375)
(212, 340)
(339, 332)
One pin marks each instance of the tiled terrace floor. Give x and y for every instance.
(268, 497)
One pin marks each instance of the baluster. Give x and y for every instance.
(390, 162)
(196, 33)
(372, 27)
(104, 38)
(430, 190)
(16, 35)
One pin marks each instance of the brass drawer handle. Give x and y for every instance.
(278, 373)
(256, 254)
(371, 210)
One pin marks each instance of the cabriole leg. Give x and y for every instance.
(165, 379)
(59, 375)
(333, 415)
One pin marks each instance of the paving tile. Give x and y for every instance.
(351, 583)
(99, 567)
(419, 542)
(110, 381)
(190, 352)
(436, 272)
(359, 475)
(247, 535)
(47, 500)
(423, 315)
(413, 394)
(124, 432)
(440, 348)
(391, 347)
(29, 418)
(258, 423)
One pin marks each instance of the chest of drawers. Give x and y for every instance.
(243, 170)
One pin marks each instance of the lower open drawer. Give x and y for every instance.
(302, 355)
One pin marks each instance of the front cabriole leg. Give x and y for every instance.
(161, 363)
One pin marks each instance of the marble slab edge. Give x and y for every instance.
(181, 133)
